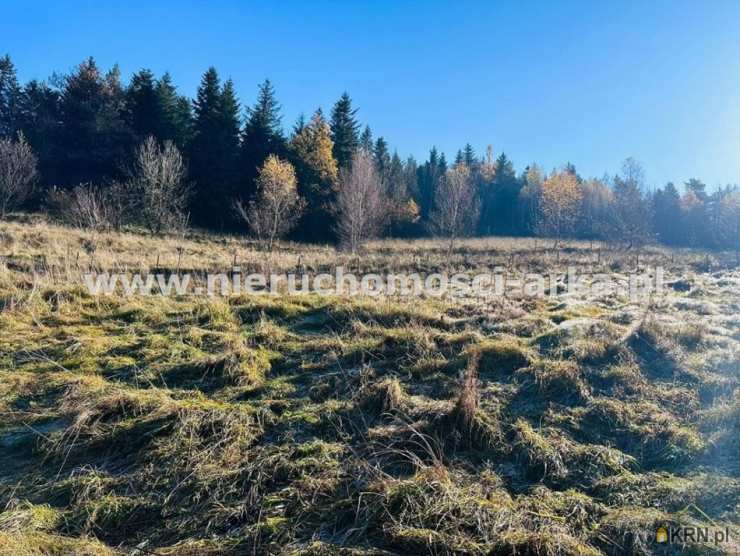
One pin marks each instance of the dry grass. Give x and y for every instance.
(317, 425)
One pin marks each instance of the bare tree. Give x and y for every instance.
(456, 206)
(86, 206)
(278, 207)
(18, 173)
(158, 180)
(360, 205)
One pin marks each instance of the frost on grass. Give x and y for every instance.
(310, 425)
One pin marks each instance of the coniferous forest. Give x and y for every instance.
(84, 129)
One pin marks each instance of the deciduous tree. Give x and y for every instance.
(456, 206)
(18, 172)
(277, 207)
(361, 207)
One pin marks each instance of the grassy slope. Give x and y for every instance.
(314, 425)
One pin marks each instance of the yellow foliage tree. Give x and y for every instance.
(317, 176)
(313, 146)
(560, 200)
(276, 210)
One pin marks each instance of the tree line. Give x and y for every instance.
(101, 153)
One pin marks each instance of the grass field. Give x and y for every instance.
(326, 425)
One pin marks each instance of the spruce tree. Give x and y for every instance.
(468, 156)
(382, 159)
(313, 158)
(429, 176)
(499, 214)
(262, 136)
(667, 215)
(298, 126)
(39, 117)
(175, 112)
(214, 150)
(10, 93)
(344, 131)
(366, 139)
(143, 108)
(93, 138)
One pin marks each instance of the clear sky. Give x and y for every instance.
(588, 82)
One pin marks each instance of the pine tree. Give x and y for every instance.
(312, 154)
(344, 130)
(262, 136)
(10, 96)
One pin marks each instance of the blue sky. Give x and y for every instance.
(586, 82)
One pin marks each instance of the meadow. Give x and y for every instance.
(352, 425)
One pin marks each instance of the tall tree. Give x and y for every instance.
(262, 136)
(312, 153)
(631, 218)
(344, 131)
(559, 203)
(382, 159)
(94, 139)
(360, 204)
(39, 116)
(10, 95)
(213, 150)
(366, 139)
(143, 109)
(501, 199)
(529, 198)
(667, 215)
(429, 176)
(455, 212)
(176, 113)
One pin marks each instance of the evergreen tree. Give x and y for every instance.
(667, 215)
(39, 117)
(214, 150)
(313, 158)
(631, 218)
(10, 96)
(93, 140)
(298, 126)
(382, 159)
(429, 176)
(366, 139)
(344, 131)
(262, 136)
(529, 198)
(468, 157)
(143, 109)
(175, 112)
(229, 137)
(500, 204)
